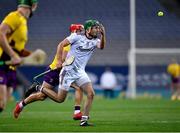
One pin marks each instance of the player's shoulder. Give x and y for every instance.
(14, 14)
(77, 36)
(172, 68)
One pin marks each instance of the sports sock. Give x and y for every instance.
(84, 118)
(77, 109)
(39, 88)
(22, 104)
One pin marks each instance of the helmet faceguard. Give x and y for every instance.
(89, 24)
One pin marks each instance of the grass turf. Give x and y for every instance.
(145, 115)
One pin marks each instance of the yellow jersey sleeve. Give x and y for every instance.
(12, 20)
(18, 24)
(67, 48)
(53, 64)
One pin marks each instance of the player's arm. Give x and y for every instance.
(4, 31)
(64, 54)
(59, 53)
(102, 43)
(25, 53)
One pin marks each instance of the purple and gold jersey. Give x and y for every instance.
(19, 36)
(53, 64)
(17, 40)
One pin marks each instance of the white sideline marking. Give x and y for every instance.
(165, 121)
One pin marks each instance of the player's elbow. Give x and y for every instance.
(64, 43)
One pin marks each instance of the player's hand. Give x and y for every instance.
(102, 29)
(16, 60)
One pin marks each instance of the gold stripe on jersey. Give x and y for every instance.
(18, 25)
(53, 64)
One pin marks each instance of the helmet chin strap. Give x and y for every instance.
(31, 14)
(93, 36)
(88, 36)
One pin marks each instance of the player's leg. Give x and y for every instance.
(174, 91)
(32, 98)
(88, 89)
(32, 89)
(57, 97)
(50, 81)
(3, 88)
(38, 96)
(64, 83)
(105, 93)
(9, 93)
(11, 82)
(109, 93)
(174, 86)
(85, 84)
(3, 98)
(51, 78)
(78, 99)
(112, 94)
(178, 91)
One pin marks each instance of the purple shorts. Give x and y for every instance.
(52, 77)
(8, 77)
(175, 79)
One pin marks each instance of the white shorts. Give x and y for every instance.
(67, 77)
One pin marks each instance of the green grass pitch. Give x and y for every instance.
(145, 115)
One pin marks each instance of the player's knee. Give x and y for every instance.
(90, 95)
(42, 96)
(61, 100)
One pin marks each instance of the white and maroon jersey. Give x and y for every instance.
(81, 48)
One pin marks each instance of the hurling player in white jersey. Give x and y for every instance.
(51, 80)
(82, 47)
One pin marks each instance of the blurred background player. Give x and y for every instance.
(51, 80)
(13, 38)
(174, 71)
(82, 49)
(108, 83)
